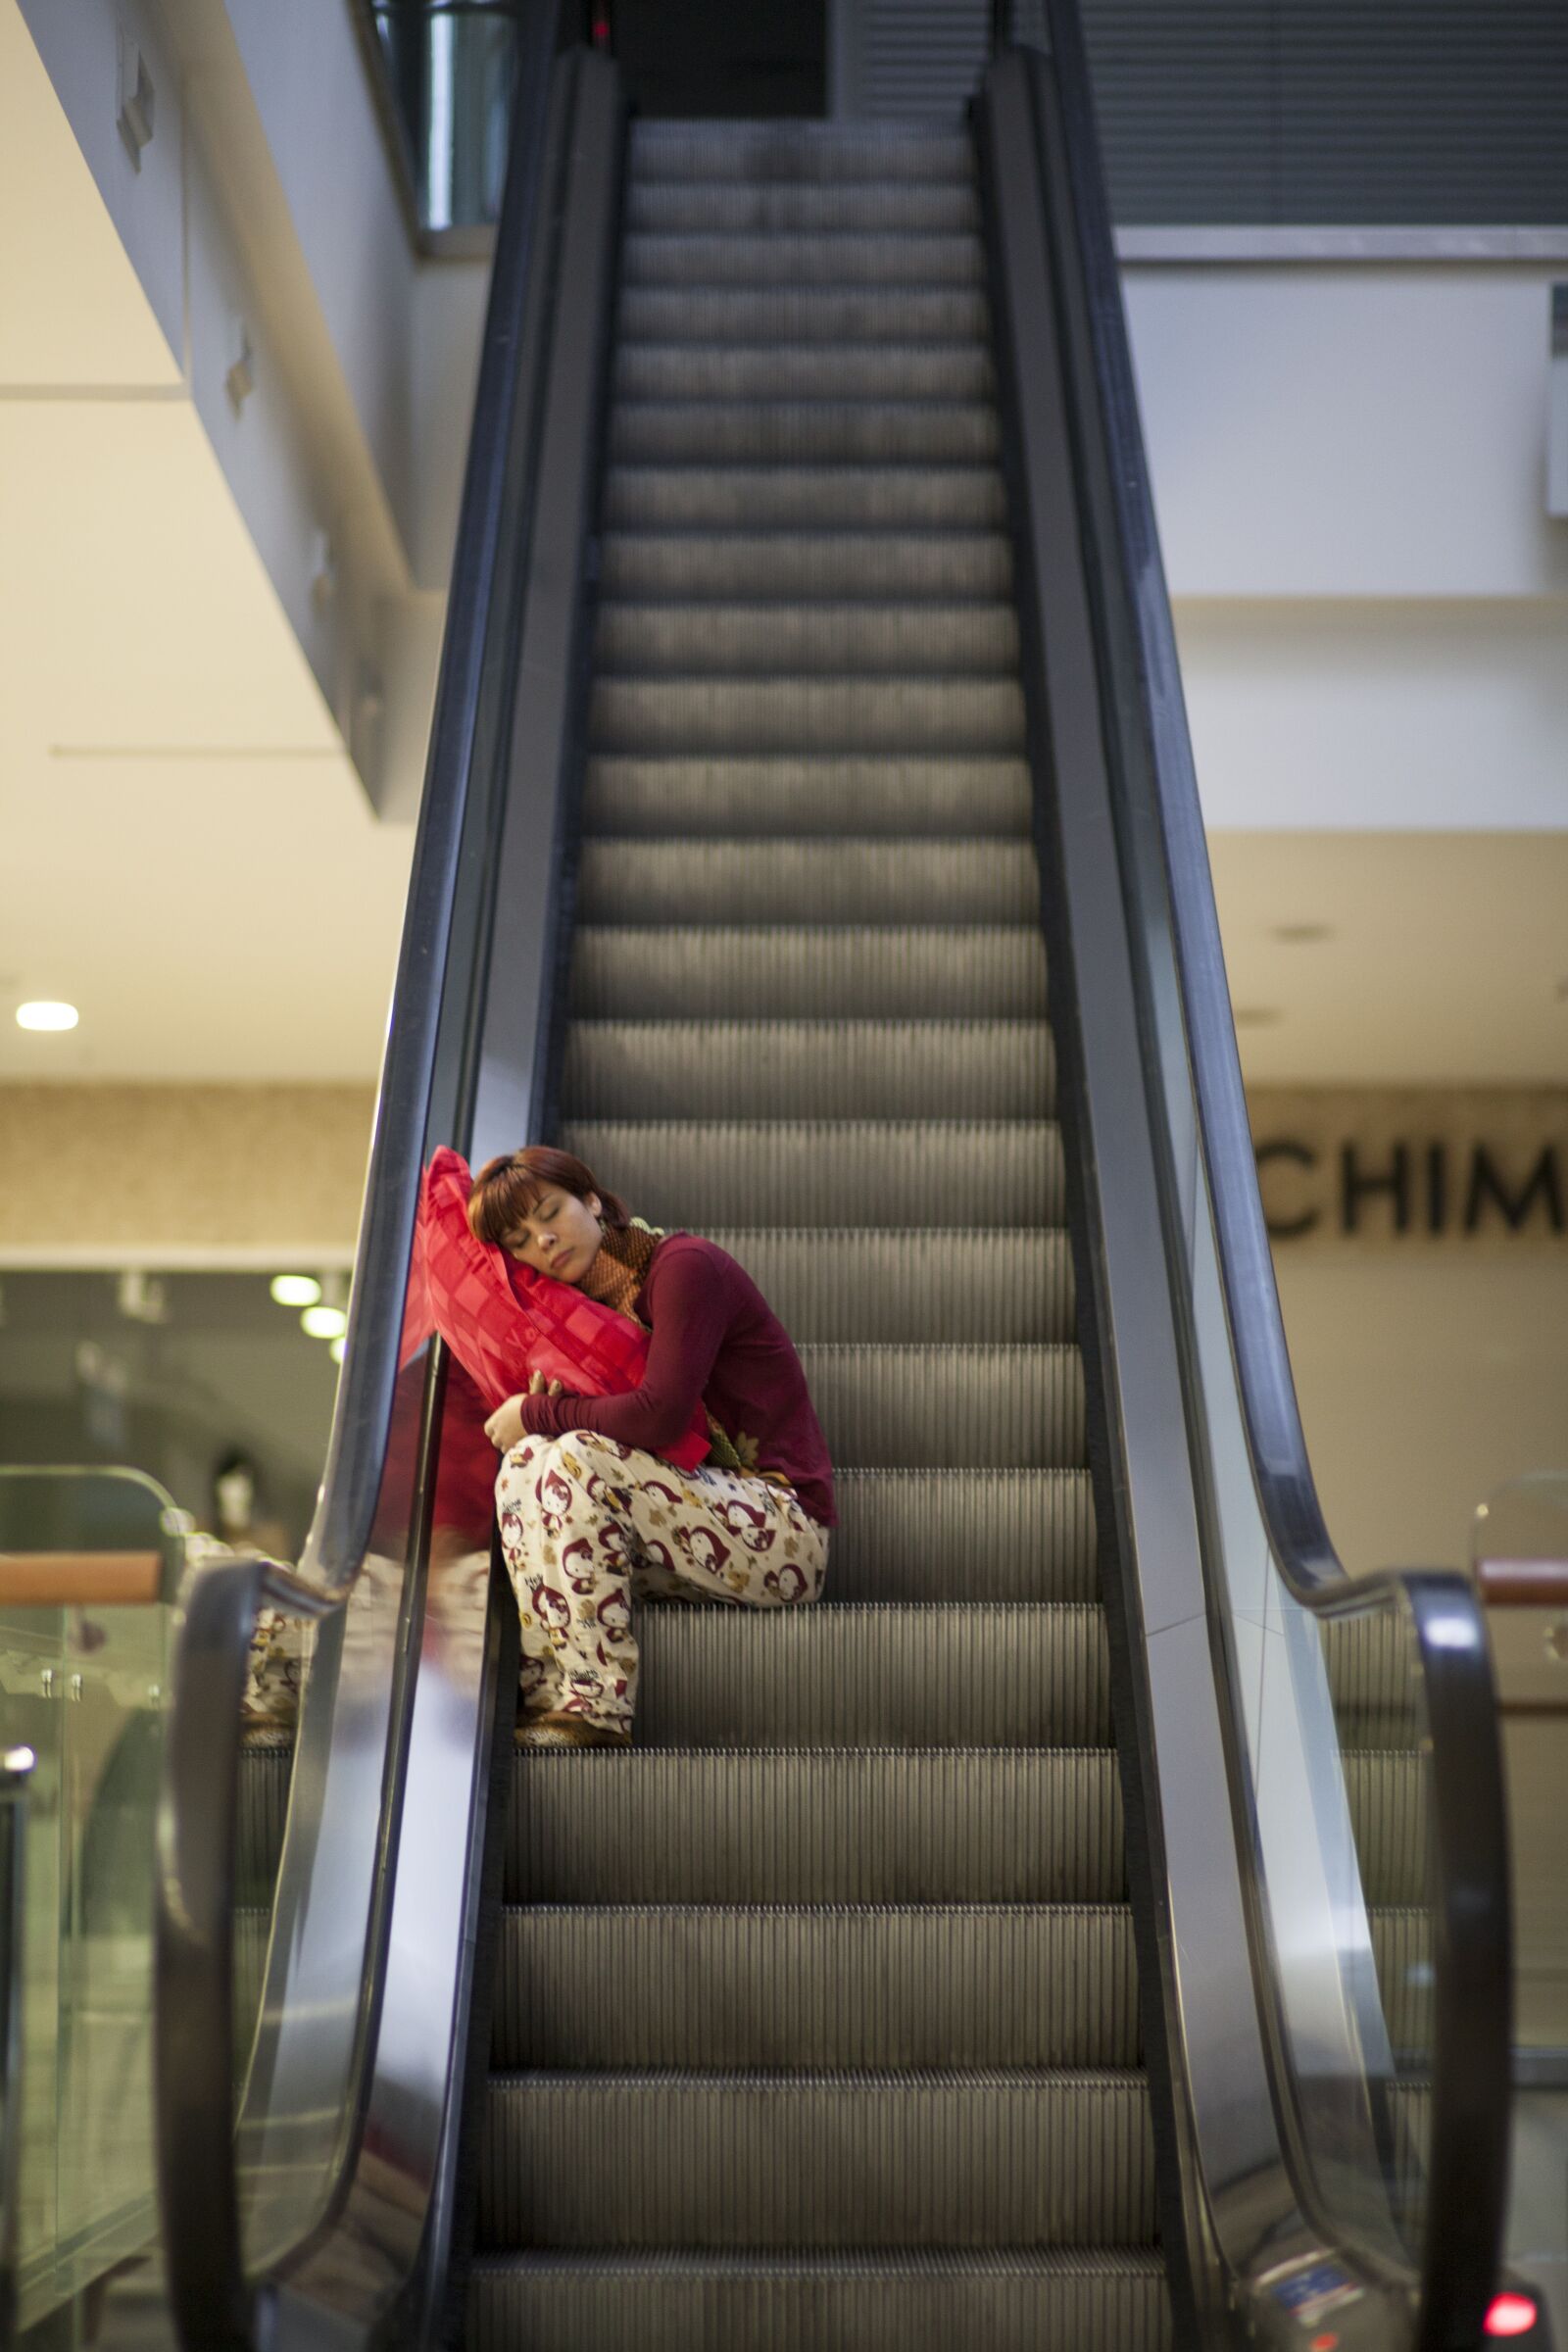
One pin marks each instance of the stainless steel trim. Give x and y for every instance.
(16, 1774)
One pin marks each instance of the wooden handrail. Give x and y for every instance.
(98, 1579)
(1523, 1584)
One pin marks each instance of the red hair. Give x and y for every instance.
(505, 1190)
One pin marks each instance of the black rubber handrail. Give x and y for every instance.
(1467, 2161)
(210, 2295)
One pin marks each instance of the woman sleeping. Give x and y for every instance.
(656, 1431)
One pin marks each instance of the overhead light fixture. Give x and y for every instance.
(338, 1349)
(325, 1322)
(43, 1014)
(295, 1290)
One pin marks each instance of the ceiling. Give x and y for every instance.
(188, 855)
(1445, 960)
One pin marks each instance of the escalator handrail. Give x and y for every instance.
(1467, 2159)
(345, 1511)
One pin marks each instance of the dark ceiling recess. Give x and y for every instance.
(717, 58)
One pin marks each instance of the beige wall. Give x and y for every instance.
(181, 1175)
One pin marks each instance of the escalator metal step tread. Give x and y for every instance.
(895, 883)
(803, 371)
(806, 498)
(879, 1674)
(267, 1767)
(961, 1407)
(961, 566)
(1006, 2157)
(624, 970)
(996, 1535)
(862, 637)
(868, 314)
(959, 713)
(807, 793)
(899, 1287)
(1042, 2299)
(840, 258)
(782, 1988)
(784, 151)
(815, 1826)
(1387, 1795)
(820, 1171)
(741, 208)
(860, 1070)
(785, 433)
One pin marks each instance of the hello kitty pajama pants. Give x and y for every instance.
(588, 1524)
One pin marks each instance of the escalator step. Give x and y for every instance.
(969, 565)
(1387, 1816)
(862, 1070)
(784, 151)
(962, 796)
(978, 1985)
(893, 639)
(985, 1408)
(804, 497)
(731, 207)
(1401, 1947)
(983, 1534)
(957, 314)
(888, 1674)
(815, 1826)
(836, 257)
(804, 714)
(803, 371)
(825, 1172)
(921, 1287)
(267, 1767)
(1043, 2300)
(794, 973)
(1372, 1676)
(779, 432)
(896, 882)
(1002, 2158)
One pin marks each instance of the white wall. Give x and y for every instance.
(1350, 431)
(1349, 469)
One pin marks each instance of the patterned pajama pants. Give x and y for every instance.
(587, 1524)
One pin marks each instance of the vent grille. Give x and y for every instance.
(1283, 113)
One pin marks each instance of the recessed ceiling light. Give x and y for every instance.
(337, 1350)
(1255, 1016)
(325, 1322)
(1303, 935)
(296, 1289)
(43, 1014)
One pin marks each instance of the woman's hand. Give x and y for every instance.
(504, 1429)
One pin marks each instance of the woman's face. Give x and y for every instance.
(559, 1236)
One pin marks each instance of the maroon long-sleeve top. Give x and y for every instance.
(714, 1336)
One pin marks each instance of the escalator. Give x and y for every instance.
(860, 1889)
(1088, 1921)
